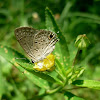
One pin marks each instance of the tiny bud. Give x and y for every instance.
(82, 41)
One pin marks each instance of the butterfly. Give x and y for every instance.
(36, 43)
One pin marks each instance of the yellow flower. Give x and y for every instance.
(45, 64)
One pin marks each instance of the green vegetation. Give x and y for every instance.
(77, 63)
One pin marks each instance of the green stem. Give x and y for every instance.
(49, 92)
(54, 90)
(74, 61)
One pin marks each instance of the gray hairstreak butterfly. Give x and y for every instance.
(36, 43)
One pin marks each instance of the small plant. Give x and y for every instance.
(66, 71)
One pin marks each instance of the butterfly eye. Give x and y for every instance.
(51, 36)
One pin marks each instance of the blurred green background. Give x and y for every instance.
(73, 16)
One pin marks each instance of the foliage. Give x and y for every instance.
(18, 79)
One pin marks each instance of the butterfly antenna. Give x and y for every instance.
(24, 59)
(20, 58)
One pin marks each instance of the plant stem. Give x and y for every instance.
(74, 61)
(49, 92)
(54, 90)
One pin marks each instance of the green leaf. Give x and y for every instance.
(65, 12)
(2, 88)
(70, 96)
(61, 49)
(10, 54)
(41, 91)
(72, 51)
(72, 74)
(93, 17)
(43, 75)
(88, 83)
(76, 74)
(54, 74)
(35, 79)
(19, 95)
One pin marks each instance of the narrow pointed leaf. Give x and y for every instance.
(70, 96)
(42, 75)
(61, 49)
(10, 54)
(88, 83)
